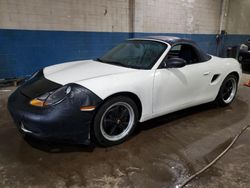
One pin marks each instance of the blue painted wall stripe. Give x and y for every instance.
(25, 51)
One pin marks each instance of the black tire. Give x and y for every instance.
(109, 119)
(222, 99)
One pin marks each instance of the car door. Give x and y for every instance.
(178, 88)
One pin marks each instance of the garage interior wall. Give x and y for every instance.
(237, 22)
(35, 33)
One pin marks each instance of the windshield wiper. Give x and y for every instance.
(98, 59)
(118, 64)
(113, 63)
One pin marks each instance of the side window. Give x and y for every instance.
(184, 51)
(174, 51)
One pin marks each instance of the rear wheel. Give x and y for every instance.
(115, 121)
(227, 91)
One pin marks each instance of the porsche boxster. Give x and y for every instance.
(102, 100)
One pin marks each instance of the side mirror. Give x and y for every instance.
(174, 62)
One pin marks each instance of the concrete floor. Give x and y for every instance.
(162, 153)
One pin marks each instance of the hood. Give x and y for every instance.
(75, 71)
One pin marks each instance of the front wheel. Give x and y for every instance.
(115, 121)
(227, 91)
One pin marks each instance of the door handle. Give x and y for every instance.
(206, 73)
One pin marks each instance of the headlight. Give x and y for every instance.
(51, 98)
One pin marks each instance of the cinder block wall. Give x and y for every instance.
(180, 16)
(38, 33)
(238, 22)
(238, 19)
(65, 15)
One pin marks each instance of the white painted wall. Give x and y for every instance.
(166, 16)
(238, 19)
(180, 16)
(69, 15)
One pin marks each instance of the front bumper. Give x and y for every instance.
(60, 122)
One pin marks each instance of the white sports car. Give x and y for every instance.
(103, 99)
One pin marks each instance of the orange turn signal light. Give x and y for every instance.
(37, 102)
(87, 108)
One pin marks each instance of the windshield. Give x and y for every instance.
(139, 54)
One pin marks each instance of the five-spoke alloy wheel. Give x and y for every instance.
(115, 121)
(228, 90)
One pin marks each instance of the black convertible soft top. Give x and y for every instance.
(176, 40)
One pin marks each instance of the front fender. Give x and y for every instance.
(138, 82)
